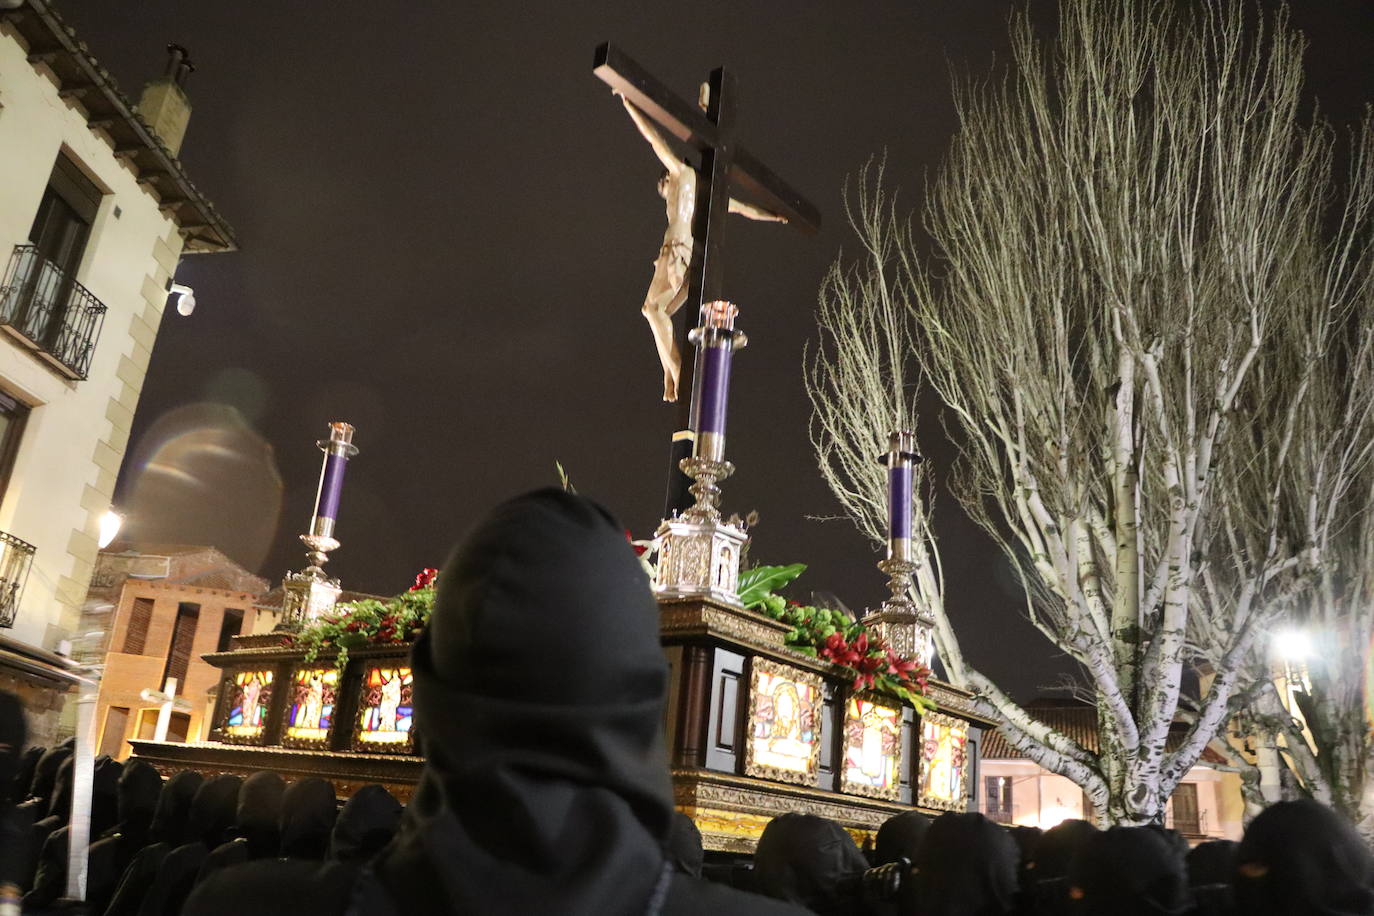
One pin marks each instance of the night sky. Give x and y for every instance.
(447, 228)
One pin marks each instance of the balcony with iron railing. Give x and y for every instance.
(48, 312)
(1004, 813)
(16, 557)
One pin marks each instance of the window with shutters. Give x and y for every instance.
(136, 634)
(230, 626)
(183, 637)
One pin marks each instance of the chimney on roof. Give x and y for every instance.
(164, 104)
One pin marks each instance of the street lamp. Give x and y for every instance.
(110, 523)
(1292, 645)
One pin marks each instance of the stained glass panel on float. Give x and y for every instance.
(944, 762)
(314, 693)
(872, 748)
(784, 723)
(385, 706)
(250, 697)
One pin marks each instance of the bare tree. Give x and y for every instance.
(1121, 228)
(1309, 491)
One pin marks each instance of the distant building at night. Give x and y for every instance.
(95, 213)
(1016, 790)
(167, 605)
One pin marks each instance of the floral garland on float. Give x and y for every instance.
(370, 621)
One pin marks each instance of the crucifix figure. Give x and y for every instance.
(668, 290)
(723, 164)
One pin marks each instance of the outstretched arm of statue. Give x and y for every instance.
(749, 211)
(662, 150)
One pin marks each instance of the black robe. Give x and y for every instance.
(257, 830)
(1300, 858)
(50, 878)
(1046, 878)
(139, 789)
(966, 866)
(308, 812)
(210, 820)
(13, 734)
(167, 832)
(812, 861)
(366, 824)
(539, 687)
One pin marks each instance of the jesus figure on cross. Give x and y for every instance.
(668, 290)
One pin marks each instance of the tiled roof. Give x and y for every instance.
(1076, 721)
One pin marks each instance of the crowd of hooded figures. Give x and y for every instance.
(539, 687)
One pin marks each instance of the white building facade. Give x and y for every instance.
(95, 214)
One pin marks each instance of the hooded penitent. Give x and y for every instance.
(1210, 867)
(539, 689)
(367, 823)
(1046, 877)
(13, 734)
(684, 846)
(139, 789)
(23, 774)
(900, 837)
(810, 860)
(167, 832)
(1300, 858)
(257, 831)
(966, 867)
(1130, 871)
(50, 880)
(209, 823)
(45, 779)
(308, 811)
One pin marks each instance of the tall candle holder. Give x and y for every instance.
(907, 627)
(699, 555)
(311, 592)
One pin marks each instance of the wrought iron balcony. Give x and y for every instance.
(16, 557)
(50, 313)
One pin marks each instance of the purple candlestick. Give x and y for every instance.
(714, 387)
(899, 500)
(331, 487)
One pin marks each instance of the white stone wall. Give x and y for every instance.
(64, 475)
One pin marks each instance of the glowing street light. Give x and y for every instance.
(110, 523)
(1293, 645)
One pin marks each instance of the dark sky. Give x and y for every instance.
(447, 226)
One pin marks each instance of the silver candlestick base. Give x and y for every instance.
(310, 593)
(906, 627)
(699, 555)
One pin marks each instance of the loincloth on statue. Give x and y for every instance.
(675, 251)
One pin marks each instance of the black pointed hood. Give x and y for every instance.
(13, 734)
(212, 811)
(257, 815)
(966, 866)
(1130, 871)
(367, 823)
(802, 858)
(45, 775)
(105, 794)
(308, 811)
(140, 786)
(23, 774)
(173, 807)
(900, 837)
(1300, 858)
(539, 692)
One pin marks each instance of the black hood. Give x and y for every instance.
(684, 846)
(539, 692)
(1213, 862)
(139, 789)
(1131, 871)
(60, 802)
(308, 810)
(212, 811)
(105, 794)
(13, 734)
(258, 813)
(900, 837)
(23, 774)
(802, 858)
(45, 774)
(966, 867)
(367, 823)
(173, 807)
(1300, 857)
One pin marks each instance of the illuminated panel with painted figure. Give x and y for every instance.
(944, 763)
(784, 723)
(314, 694)
(872, 748)
(250, 698)
(384, 708)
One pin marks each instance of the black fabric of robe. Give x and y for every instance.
(1046, 879)
(209, 822)
(59, 810)
(257, 825)
(23, 774)
(1131, 871)
(139, 789)
(900, 837)
(1210, 867)
(39, 798)
(167, 831)
(366, 824)
(1299, 858)
(966, 866)
(50, 878)
(685, 851)
(812, 861)
(13, 734)
(539, 691)
(308, 812)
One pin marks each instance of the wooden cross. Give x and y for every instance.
(724, 162)
(167, 700)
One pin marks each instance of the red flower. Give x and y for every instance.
(425, 578)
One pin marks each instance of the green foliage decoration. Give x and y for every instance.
(370, 622)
